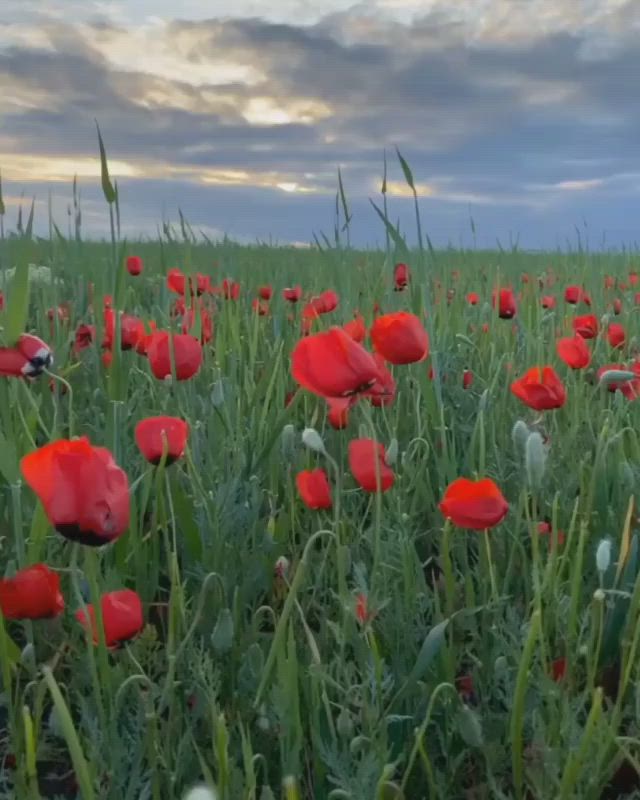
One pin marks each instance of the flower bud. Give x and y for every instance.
(392, 452)
(520, 434)
(312, 439)
(535, 459)
(603, 555)
(200, 792)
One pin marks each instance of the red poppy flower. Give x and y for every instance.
(574, 351)
(28, 359)
(400, 338)
(260, 307)
(540, 388)
(586, 326)
(324, 303)
(368, 465)
(506, 301)
(338, 415)
(152, 432)
(544, 529)
(131, 330)
(467, 378)
(122, 617)
(617, 306)
(331, 364)
(313, 487)
(548, 301)
(363, 615)
(265, 292)
(187, 355)
(558, 669)
(574, 294)
(474, 504)
(134, 265)
(292, 294)
(176, 281)
(356, 329)
(401, 276)
(230, 289)
(633, 279)
(473, 298)
(616, 335)
(636, 299)
(145, 341)
(609, 281)
(206, 322)
(32, 593)
(84, 492)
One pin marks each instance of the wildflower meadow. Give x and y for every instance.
(316, 522)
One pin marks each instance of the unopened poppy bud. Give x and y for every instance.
(519, 434)
(344, 724)
(535, 458)
(217, 394)
(200, 792)
(483, 401)
(392, 452)
(54, 726)
(583, 651)
(312, 439)
(222, 636)
(598, 596)
(28, 656)
(267, 793)
(287, 441)
(603, 555)
(281, 567)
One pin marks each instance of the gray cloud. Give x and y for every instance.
(532, 130)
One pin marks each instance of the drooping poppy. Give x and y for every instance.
(331, 364)
(545, 529)
(628, 388)
(292, 294)
(473, 298)
(313, 488)
(368, 465)
(616, 335)
(617, 306)
(574, 351)
(475, 505)
(400, 338)
(152, 433)
(122, 617)
(401, 276)
(540, 388)
(32, 593)
(265, 292)
(84, 492)
(356, 328)
(586, 326)
(187, 355)
(506, 301)
(134, 265)
(27, 359)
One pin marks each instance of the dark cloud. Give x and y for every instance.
(500, 128)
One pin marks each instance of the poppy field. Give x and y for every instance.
(317, 523)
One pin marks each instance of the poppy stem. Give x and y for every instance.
(492, 577)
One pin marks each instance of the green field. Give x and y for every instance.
(391, 654)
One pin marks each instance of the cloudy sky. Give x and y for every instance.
(523, 114)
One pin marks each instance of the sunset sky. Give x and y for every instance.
(523, 114)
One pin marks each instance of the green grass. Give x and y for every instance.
(269, 687)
